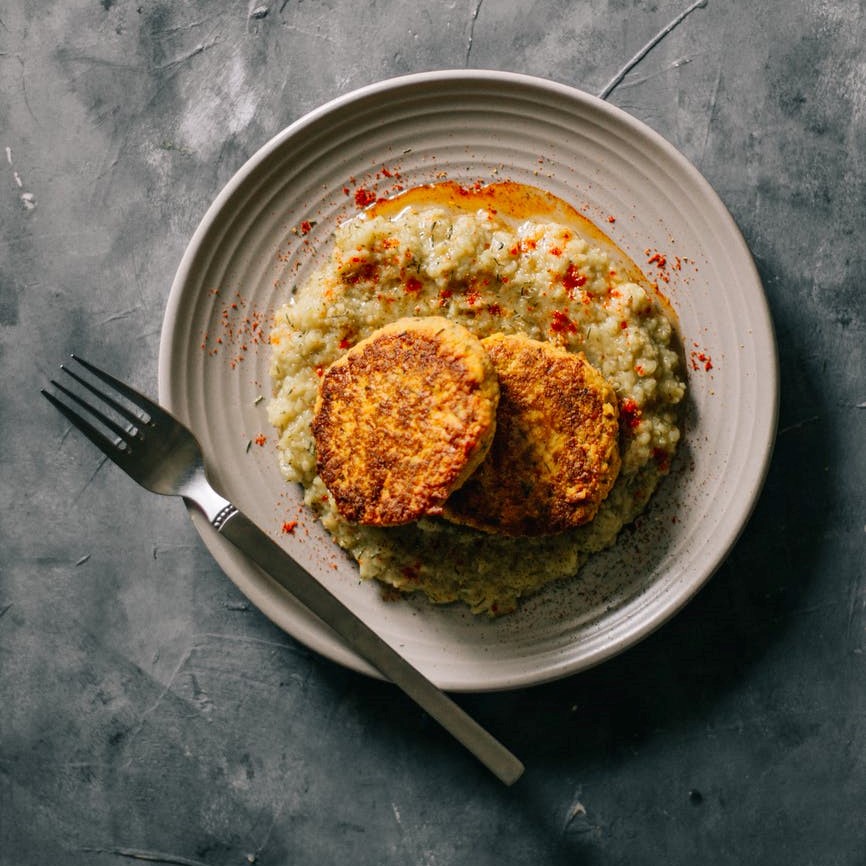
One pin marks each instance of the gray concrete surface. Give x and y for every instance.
(147, 713)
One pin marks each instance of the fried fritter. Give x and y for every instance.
(403, 419)
(555, 454)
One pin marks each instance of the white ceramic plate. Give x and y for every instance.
(271, 224)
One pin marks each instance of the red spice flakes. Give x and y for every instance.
(364, 197)
(494, 309)
(366, 193)
(662, 459)
(392, 173)
(699, 359)
(260, 439)
(412, 572)
(412, 285)
(289, 527)
(473, 188)
(555, 251)
(523, 245)
(306, 227)
(611, 219)
(472, 298)
(573, 279)
(561, 324)
(239, 330)
(629, 413)
(365, 270)
(660, 261)
(346, 342)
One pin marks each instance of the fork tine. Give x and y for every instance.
(118, 407)
(122, 433)
(97, 437)
(144, 403)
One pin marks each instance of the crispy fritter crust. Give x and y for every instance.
(403, 419)
(555, 455)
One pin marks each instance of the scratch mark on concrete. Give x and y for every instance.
(855, 605)
(233, 638)
(93, 475)
(184, 58)
(198, 642)
(637, 80)
(93, 61)
(200, 697)
(313, 34)
(26, 98)
(180, 28)
(4, 610)
(668, 28)
(242, 606)
(167, 687)
(266, 836)
(711, 111)
(149, 856)
(799, 424)
(471, 38)
(117, 316)
(576, 811)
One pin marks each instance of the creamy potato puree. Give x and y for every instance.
(503, 258)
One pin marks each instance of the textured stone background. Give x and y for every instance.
(148, 713)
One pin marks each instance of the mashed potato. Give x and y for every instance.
(492, 274)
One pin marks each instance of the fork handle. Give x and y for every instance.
(245, 535)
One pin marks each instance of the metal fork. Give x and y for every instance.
(163, 456)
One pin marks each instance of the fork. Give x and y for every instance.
(163, 456)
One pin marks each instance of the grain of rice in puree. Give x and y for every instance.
(504, 258)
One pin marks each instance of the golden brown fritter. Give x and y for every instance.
(403, 419)
(555, 454)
